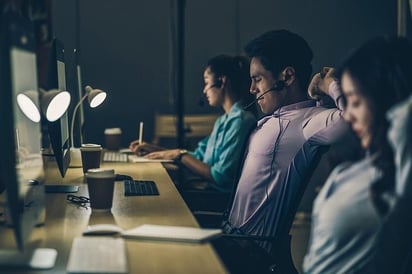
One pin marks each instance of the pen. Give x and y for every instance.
(140, 133)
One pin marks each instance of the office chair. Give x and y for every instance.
(201, 198)
(197, 192)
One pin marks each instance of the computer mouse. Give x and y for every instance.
(122, 177)
(33, 182)
(102, 229)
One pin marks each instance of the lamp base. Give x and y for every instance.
(75, 157)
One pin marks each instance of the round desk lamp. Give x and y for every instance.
(95, 98)
(28, 101)
(53, 104)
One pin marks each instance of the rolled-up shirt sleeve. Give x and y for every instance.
(328, 125)
(200, 150)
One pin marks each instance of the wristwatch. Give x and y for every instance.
(181, 153)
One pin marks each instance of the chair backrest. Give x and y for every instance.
(315, 178)
(318, 168)
(196, 125)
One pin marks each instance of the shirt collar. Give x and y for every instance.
(299, 105)
(282, 110)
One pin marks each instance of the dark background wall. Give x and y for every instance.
(125, 46)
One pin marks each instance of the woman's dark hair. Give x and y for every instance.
(382, 71)
(279, 49)
(236, 69)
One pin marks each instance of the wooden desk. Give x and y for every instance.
(65, 221)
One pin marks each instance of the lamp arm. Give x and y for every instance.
(74, 118)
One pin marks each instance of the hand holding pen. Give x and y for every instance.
(139, 147)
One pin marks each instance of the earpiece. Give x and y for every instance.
(279, 85)
(218, 83)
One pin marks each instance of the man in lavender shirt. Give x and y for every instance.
(282, 146)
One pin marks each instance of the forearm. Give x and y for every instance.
(196, 166)
(335, 93)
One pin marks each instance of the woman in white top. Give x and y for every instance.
(353, 203)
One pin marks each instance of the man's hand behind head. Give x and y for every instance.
(319, 86)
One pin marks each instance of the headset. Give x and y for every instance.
(278, 86)
(217, 84)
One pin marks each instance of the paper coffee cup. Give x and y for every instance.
(91, 156)
(113, 138)
(100, 173)
(100, 183)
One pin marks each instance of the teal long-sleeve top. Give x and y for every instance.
(222, 149)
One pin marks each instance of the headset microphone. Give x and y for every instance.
(201, 102)
(216, 84)
(278, 86)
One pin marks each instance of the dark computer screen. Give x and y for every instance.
(20, 140)
(58, 130)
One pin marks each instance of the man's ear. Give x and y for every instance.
(223, 81)
(288, 75)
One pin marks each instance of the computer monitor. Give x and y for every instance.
(21, 161)
(58, 130)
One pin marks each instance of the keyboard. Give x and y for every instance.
(113, 156)
(140, 188)
(97, 255)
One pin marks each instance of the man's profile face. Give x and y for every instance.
(262, 80)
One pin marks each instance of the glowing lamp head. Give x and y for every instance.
(28, 103)
(95, 97)
(57, 104)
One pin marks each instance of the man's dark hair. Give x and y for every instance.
(281, 48)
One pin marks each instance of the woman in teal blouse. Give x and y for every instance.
(217, 156)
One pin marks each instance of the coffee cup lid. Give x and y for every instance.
(115, 130)
(100, 173)
(91, 147)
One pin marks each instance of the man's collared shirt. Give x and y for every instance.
(273, 168)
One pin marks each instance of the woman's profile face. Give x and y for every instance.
(213, 93)
(358, 111)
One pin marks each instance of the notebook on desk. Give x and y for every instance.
(97, 255)
(141, 159)
(122, 157)
(171, 233)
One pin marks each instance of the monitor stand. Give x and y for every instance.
(39, 258)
